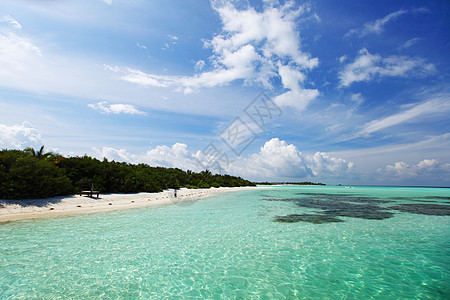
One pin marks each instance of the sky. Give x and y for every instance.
(339, 92)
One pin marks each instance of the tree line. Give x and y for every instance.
(31, 174)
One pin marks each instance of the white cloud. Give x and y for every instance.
(141, 46)
(278, 160)
(377, 26)
(343, 58)
(234, 66)
(357, 98)
(11, 22)
(370, 162)
(322, 164)
(423, 169)
(296, 96)
(435, 146)
(106, 108)
(120, 155)
(290, 77)
(353, 105)
(199, 65)
(299, 98)
(275, 160)
(19, 136)
(141, 78)
(409, 43)
(173, 40)
(253, 47)
(369, 66)
(438, 105)
(176, 156)
(17, 54)
(28, 64)
(274, 27)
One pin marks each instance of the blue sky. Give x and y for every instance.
(351, 92)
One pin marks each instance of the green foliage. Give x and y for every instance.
(189, 186)
(39, 154)
(115, 177)
(24, 175)
(215, 184)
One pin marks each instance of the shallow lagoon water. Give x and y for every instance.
(233, 245)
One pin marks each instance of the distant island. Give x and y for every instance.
(36, 174)
(290, 183)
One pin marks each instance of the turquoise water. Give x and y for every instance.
(284, 243)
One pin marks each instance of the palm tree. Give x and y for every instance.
(39, 154)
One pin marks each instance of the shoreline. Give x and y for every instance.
(76, 204)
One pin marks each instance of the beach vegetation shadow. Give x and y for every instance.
(35, 202)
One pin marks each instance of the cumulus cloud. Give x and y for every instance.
(275, 160)
(423, 169)
(176, 156)
(296, 96)
(105, 108)
(19, 136)
(278, 160)
(255, 47)
(274, 28)
(120, 155)
(367, 66)
(323, 164)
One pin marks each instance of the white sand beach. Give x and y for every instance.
(12, 210)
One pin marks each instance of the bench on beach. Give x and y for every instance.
(90, 191)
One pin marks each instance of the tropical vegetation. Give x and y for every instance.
(36, 174)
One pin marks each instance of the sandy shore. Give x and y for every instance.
(12, 210)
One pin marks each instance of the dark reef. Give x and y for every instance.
(331, 206)
(310, 218)
(424, 209)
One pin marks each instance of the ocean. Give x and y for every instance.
(288, 242)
